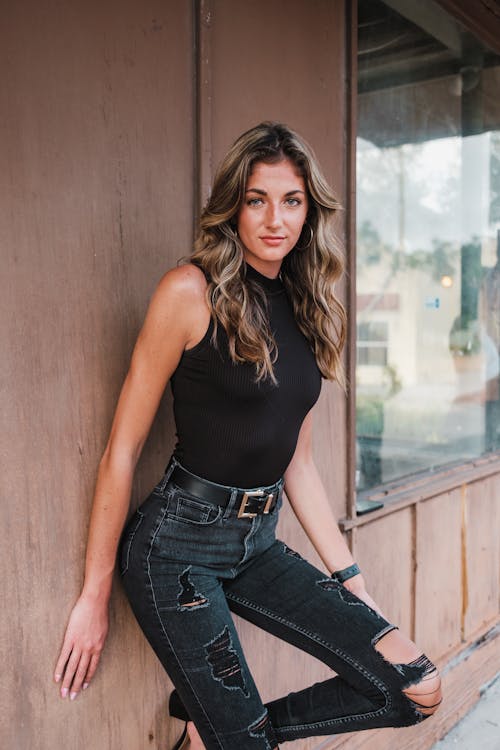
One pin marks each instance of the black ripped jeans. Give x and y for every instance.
(186, 564)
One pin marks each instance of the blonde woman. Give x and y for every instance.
(245, 332)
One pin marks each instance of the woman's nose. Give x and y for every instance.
(273, 215)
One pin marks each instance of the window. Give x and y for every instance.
(372, 343)
(428, 242)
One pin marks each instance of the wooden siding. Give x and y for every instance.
(97, 202)
(383, 551)
(439, 575)
(434, 569)
(481, 525)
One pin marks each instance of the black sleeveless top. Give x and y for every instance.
(230, 429)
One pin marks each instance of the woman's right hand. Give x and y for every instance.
(82, 646)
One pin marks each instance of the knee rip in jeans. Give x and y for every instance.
(423, 683)
(189, 598)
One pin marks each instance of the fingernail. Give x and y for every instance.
(57, 677)
(85, 685)
(72, 696)
(64, 692)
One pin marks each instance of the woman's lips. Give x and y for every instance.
(272, 240)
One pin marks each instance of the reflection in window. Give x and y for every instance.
(428, 242)
(372, 343)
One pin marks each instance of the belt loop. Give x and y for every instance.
(231, 503)
(168, 471)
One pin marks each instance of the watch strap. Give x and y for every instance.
(343, 575)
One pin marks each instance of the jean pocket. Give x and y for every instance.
(127, 539)
(191, 510)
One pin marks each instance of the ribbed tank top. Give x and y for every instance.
(231, 429)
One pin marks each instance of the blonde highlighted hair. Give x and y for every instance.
(309, 271)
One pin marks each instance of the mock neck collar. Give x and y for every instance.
(270, 285)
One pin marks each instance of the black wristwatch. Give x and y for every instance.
(343, 575)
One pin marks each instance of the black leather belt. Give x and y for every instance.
(251, 503)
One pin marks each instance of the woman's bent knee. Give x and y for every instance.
(425, 695)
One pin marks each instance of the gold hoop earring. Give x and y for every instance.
(311, 238)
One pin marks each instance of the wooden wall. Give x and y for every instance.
(447, 590)
(103, 124)
(434, 568)
(112, 118)
(97, 202)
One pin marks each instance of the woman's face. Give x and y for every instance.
(272, 215)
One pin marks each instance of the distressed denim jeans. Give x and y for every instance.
(186, 564)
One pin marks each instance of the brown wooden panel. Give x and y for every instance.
(96, 192)
(383, 550)
(438, 586)
(482, 524)
(280, 61)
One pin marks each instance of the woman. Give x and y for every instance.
(245, 331)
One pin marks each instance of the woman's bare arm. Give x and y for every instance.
(309, 501)
(176, 319)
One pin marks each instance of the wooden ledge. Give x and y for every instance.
(398, 495)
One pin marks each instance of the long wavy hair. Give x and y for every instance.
(309, 271)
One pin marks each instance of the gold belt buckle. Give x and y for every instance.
(242, 513)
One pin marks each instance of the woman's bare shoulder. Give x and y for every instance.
(187, 279)
(182, 289)
(180, 296)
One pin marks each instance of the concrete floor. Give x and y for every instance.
(480, 729)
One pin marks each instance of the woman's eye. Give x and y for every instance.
(254, 201)
(293, 202)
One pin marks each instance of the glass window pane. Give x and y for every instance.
(428, 242)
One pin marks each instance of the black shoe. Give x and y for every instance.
(176, 707)
(183, 740)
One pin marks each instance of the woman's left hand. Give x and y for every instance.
(356, 585)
